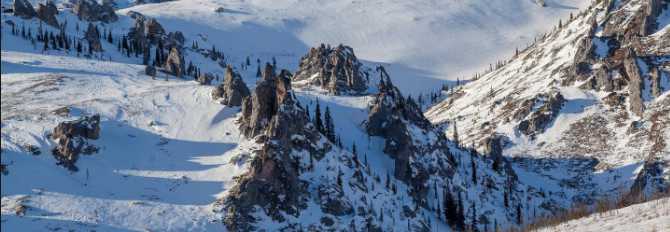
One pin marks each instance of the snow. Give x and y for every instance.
(175, 170)
(427, 41)
(646, 217)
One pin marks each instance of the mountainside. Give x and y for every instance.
(648, 216)
(595, 87)
(217, 115)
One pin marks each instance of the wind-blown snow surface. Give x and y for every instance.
(426, 40)
(164, 156)
(646, 217)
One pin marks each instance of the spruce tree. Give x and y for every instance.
(519, 216)
(474, 167)
(258, 71)
(317, 118)
(329, 125)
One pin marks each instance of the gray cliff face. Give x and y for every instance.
(336, 70)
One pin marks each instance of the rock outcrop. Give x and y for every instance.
(336, 70)
(93, 37)
(147, 30)
(538, 120)
(47, 13)
(233, 90)
(634, 83)
(92, 11)
(272, 182)
(23, 9)
(175, 62)
(72, 140)
(259, 108)
(205, 78)
(385, 119)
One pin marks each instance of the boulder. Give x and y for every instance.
(23, 9)
(72, 140)
(92, 35)
(47, 13)
(233, 90)
(92, 11)
(337, 70)
(175, 62)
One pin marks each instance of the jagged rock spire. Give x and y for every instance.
(233, 89)
(337, 70)
(23, 9)
(91, 10)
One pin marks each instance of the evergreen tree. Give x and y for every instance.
(146, 54)
(456, 135)
(519, 217)
(46, 45)
(317, 117)
(157, 57)
(248, 61)
(473, 225)
(339, 177)
(460, 214)
(450, 209)
(258, 71)
(79, 48)
(474, 167)
(355, 155)
(330, 125)
(109, 37)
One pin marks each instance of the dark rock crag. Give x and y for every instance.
(72, 140)
(336, 70)
(233, 89)
(272, 180)
(175, 62)
(23, 9)
(47, 13)
(92, 11)
(539, 119)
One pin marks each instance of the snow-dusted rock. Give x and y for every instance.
(72, 139)
(233, 90)
(337, 70)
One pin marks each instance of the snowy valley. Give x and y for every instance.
(256, 115)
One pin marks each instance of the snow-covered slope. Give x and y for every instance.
(426, 41)
(651, 216)
(592, 87)
(172, 159)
